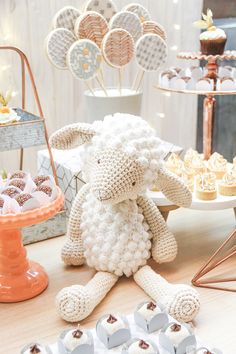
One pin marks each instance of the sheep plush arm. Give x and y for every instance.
(73, 252)
(164, 246)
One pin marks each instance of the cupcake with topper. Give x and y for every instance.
(213, 39)
(7, 115)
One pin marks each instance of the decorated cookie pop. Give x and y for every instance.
(139, 10)
(58, 43)
(154, 27)
(106, 8)
(66, 17)
(91, 25)
(129, 22)
(84, 59)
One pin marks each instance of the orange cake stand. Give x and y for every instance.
(21, 279)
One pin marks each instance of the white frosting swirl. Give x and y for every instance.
(214, 34)
(229, 178)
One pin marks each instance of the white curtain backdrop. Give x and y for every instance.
(25, 24)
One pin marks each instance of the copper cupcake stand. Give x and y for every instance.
(21, 279)
(209, 101)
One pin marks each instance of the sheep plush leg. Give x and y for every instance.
(76, 302)
(72, 252)
(181, 301)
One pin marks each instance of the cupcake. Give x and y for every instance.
(36, 348)
(227, 186)
(206, 186)
(150, 316)
(213, 39)
(113, 330)
(217, 164)
(7, 115)
(195, 166)
(187, 177)
(176, 338)
(174, 164)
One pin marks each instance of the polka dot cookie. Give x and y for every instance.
(139, 10)
(129, 22)
(84, 59)
(151, 52)
(106, 8)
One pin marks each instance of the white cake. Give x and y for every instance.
(141, 347)
(74, 338)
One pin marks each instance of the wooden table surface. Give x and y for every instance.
(198, 234)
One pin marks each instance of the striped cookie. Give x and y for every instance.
(58, 43)
(118, 48)
(65, 18)
(129, 22)
(84, 59)
(106, 8)
(139, 10)
(154, 27)
(91, 25)
(151, 52)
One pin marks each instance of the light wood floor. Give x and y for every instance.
(198, 234)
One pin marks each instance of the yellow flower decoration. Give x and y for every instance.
(207, 22)
(4, 100)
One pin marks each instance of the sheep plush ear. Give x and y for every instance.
(173, 188)
(71, 136)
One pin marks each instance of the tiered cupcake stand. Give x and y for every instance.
(21, 279)
(221, 202)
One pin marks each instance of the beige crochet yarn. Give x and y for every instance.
(113, 226)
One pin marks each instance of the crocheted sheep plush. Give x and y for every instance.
(113, 226)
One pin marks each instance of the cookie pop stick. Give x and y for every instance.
(84, 60)
(129, 22)
(65, 18)
(118, 49)
(91, 25)
(106, 8)
(151, 53)
(57, 45)
(139, 10)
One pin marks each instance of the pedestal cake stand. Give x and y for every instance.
(209, 101)
(218, 256)
(21, 279)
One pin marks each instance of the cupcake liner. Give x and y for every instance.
(213, 47)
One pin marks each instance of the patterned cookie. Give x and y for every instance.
(104, 7)
(154, 27)
(66, 17)
(84, 59)
(58, 43)
(139, 10)
(151, 52)
(91, 25)
(129, 22)
(118, 47)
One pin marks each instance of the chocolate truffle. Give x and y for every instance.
(45, 189)
(112, 324)
(17, 182)
(74, 338)
(22, 198)
(18, 174)
(177, 333)
(35, 349)
(140, 346)
(38, 180)
(149, 310)
(12, 192)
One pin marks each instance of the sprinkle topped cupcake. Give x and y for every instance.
(213, 39)
(206, 186)
(227, 186)
(7, 115)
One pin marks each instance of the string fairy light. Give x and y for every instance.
(177, 26)
(174, 47)
(161, 115)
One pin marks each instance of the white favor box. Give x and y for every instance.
(87, 348)
(205, 85)
(194, 72)
(68, 169)
(228, 84)
(155, 323)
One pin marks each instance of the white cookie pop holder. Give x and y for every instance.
(100, 105)
(155, 323)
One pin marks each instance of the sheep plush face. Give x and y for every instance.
(121, 155)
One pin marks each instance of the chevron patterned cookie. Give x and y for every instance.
(129, 22)
(139, 10)
(65, 18)
(154, 27)
(91, 25)
(106, 8)
(58, 43)
(151, 52)
(118, 48)
(84, 59)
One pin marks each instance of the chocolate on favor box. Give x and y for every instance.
(140, 346)
(204, 350)
(150, 316)
(113, 330)
(36, 348)
(76, 341)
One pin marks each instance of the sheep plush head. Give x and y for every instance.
(121, 155)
